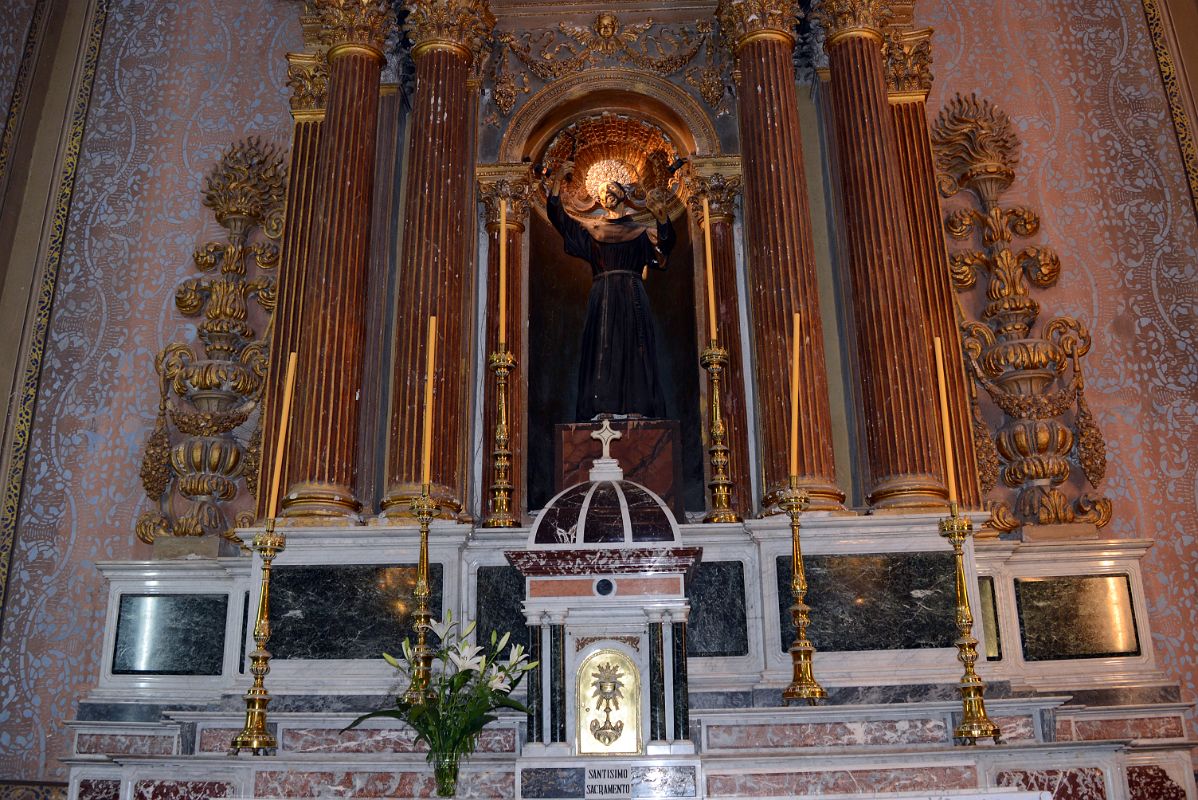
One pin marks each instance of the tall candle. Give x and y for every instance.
(502, 275)
(711, 323)
(794, 399)
(426, 448)
(272, 506)
(949, 464)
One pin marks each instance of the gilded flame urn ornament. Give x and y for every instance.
(199, 449)
(1034, 377)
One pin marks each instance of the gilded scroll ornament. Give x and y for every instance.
(839, 17)
(462, 24)
(205, 397)
(362, 22)
(720, 190)
(1036, 380)
(549, 54)
(908, 61)
(515, 191)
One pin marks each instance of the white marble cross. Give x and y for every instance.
(606, 435)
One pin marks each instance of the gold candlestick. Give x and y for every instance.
(975, 724)
(254, 736)
(714, 359)
(425, 509)
(501, 364)
(803, 685)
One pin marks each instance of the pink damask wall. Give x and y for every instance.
(177, 81)
(1102, 165)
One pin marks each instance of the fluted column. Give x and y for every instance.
(781, 254)
(721, 192)
(898, 387)
(307, 75)
(909, 79)
(512, 188)
(322, 458)
(433, 280)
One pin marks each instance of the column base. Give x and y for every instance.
(823, 496)
(397, 504)
(321, 500)
(913, 493)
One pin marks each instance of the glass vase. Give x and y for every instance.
(445, 773)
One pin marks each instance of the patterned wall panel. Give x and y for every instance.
(177, 80)
(1102, 165)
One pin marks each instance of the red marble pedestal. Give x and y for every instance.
(649, 452)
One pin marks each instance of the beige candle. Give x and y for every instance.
(949, 464)
(281, 443)
(711, 323)
(794, 399)
(503, 275)
(426, 448)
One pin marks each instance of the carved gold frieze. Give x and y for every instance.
(1035, 379)
(462, 25)
(308, 79)
(741, 20)
(361, 22)
(845, 17)
(205, 397)
(546, 55)
(908, 62)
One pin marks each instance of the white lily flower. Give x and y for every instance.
(467, 656)
(443, 627)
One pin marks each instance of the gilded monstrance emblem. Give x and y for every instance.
(609, 690)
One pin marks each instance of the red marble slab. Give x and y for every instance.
(1150, 782)
(380, 784)
(216, 740)
(1083, 783)
(180, 790)
(649, 452)
(123, 744)
(99, 789)
(334, 740)
(826, 734)
(1016, 728)
(864, 782)
(1128, 728)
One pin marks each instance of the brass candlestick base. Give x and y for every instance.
(255, 737)
(803, 685)
(974, 722)
(425, 509)
(501, 363)
(714, 359)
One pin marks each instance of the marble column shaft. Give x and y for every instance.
(517, 326)
(781, 274)
(308, 113)
(721, 195)
(433, 281)
(909, 85)
(322, 468)
(898, 385)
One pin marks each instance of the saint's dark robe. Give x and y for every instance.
(617, 372)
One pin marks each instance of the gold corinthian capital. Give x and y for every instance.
(841, 18)
(743, 21)
(463, 26)
(360, 23)
(909, 63)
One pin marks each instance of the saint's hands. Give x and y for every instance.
(656, 203)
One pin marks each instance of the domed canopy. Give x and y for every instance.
(604, 513)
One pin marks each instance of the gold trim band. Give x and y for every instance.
(862, 31)
(1173, 89)
(442, 44)
(765, 35)
(31, 372)
(355, 49)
